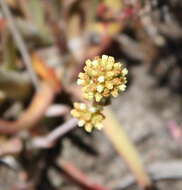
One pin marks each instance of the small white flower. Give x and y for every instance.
(88, 128)
(117, 65)
(109, 85)
(99, 126)
(90, 96)
(88, 63)
(104, 58)
(95, 62)
(125, 71)
(81, 75)
(92, 109)
(98, 97)
(111, 59)
(80, 81)
(100, 88)
(101, 79)
(81, 123)
(122, 87)
(83, 106)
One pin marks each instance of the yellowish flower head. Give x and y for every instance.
(88, 116)
(102, 78)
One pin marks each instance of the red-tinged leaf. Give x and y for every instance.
(79, 177)
(46, 73)
(2, 23)
(34, 113)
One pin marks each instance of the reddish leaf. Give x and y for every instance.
(79, 177)
(2, 24)
(47, 73)
(37, 109)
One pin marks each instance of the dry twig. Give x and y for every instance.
(50, 139)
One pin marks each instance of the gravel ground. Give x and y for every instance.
(145, 112)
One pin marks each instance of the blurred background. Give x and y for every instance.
(43, 47)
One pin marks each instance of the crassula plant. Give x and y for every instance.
(102, 79)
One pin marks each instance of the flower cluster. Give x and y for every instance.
(89, 116)
(102, 78)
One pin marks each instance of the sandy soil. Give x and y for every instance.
(145, 112)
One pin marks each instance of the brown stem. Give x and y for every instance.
(52, 137)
